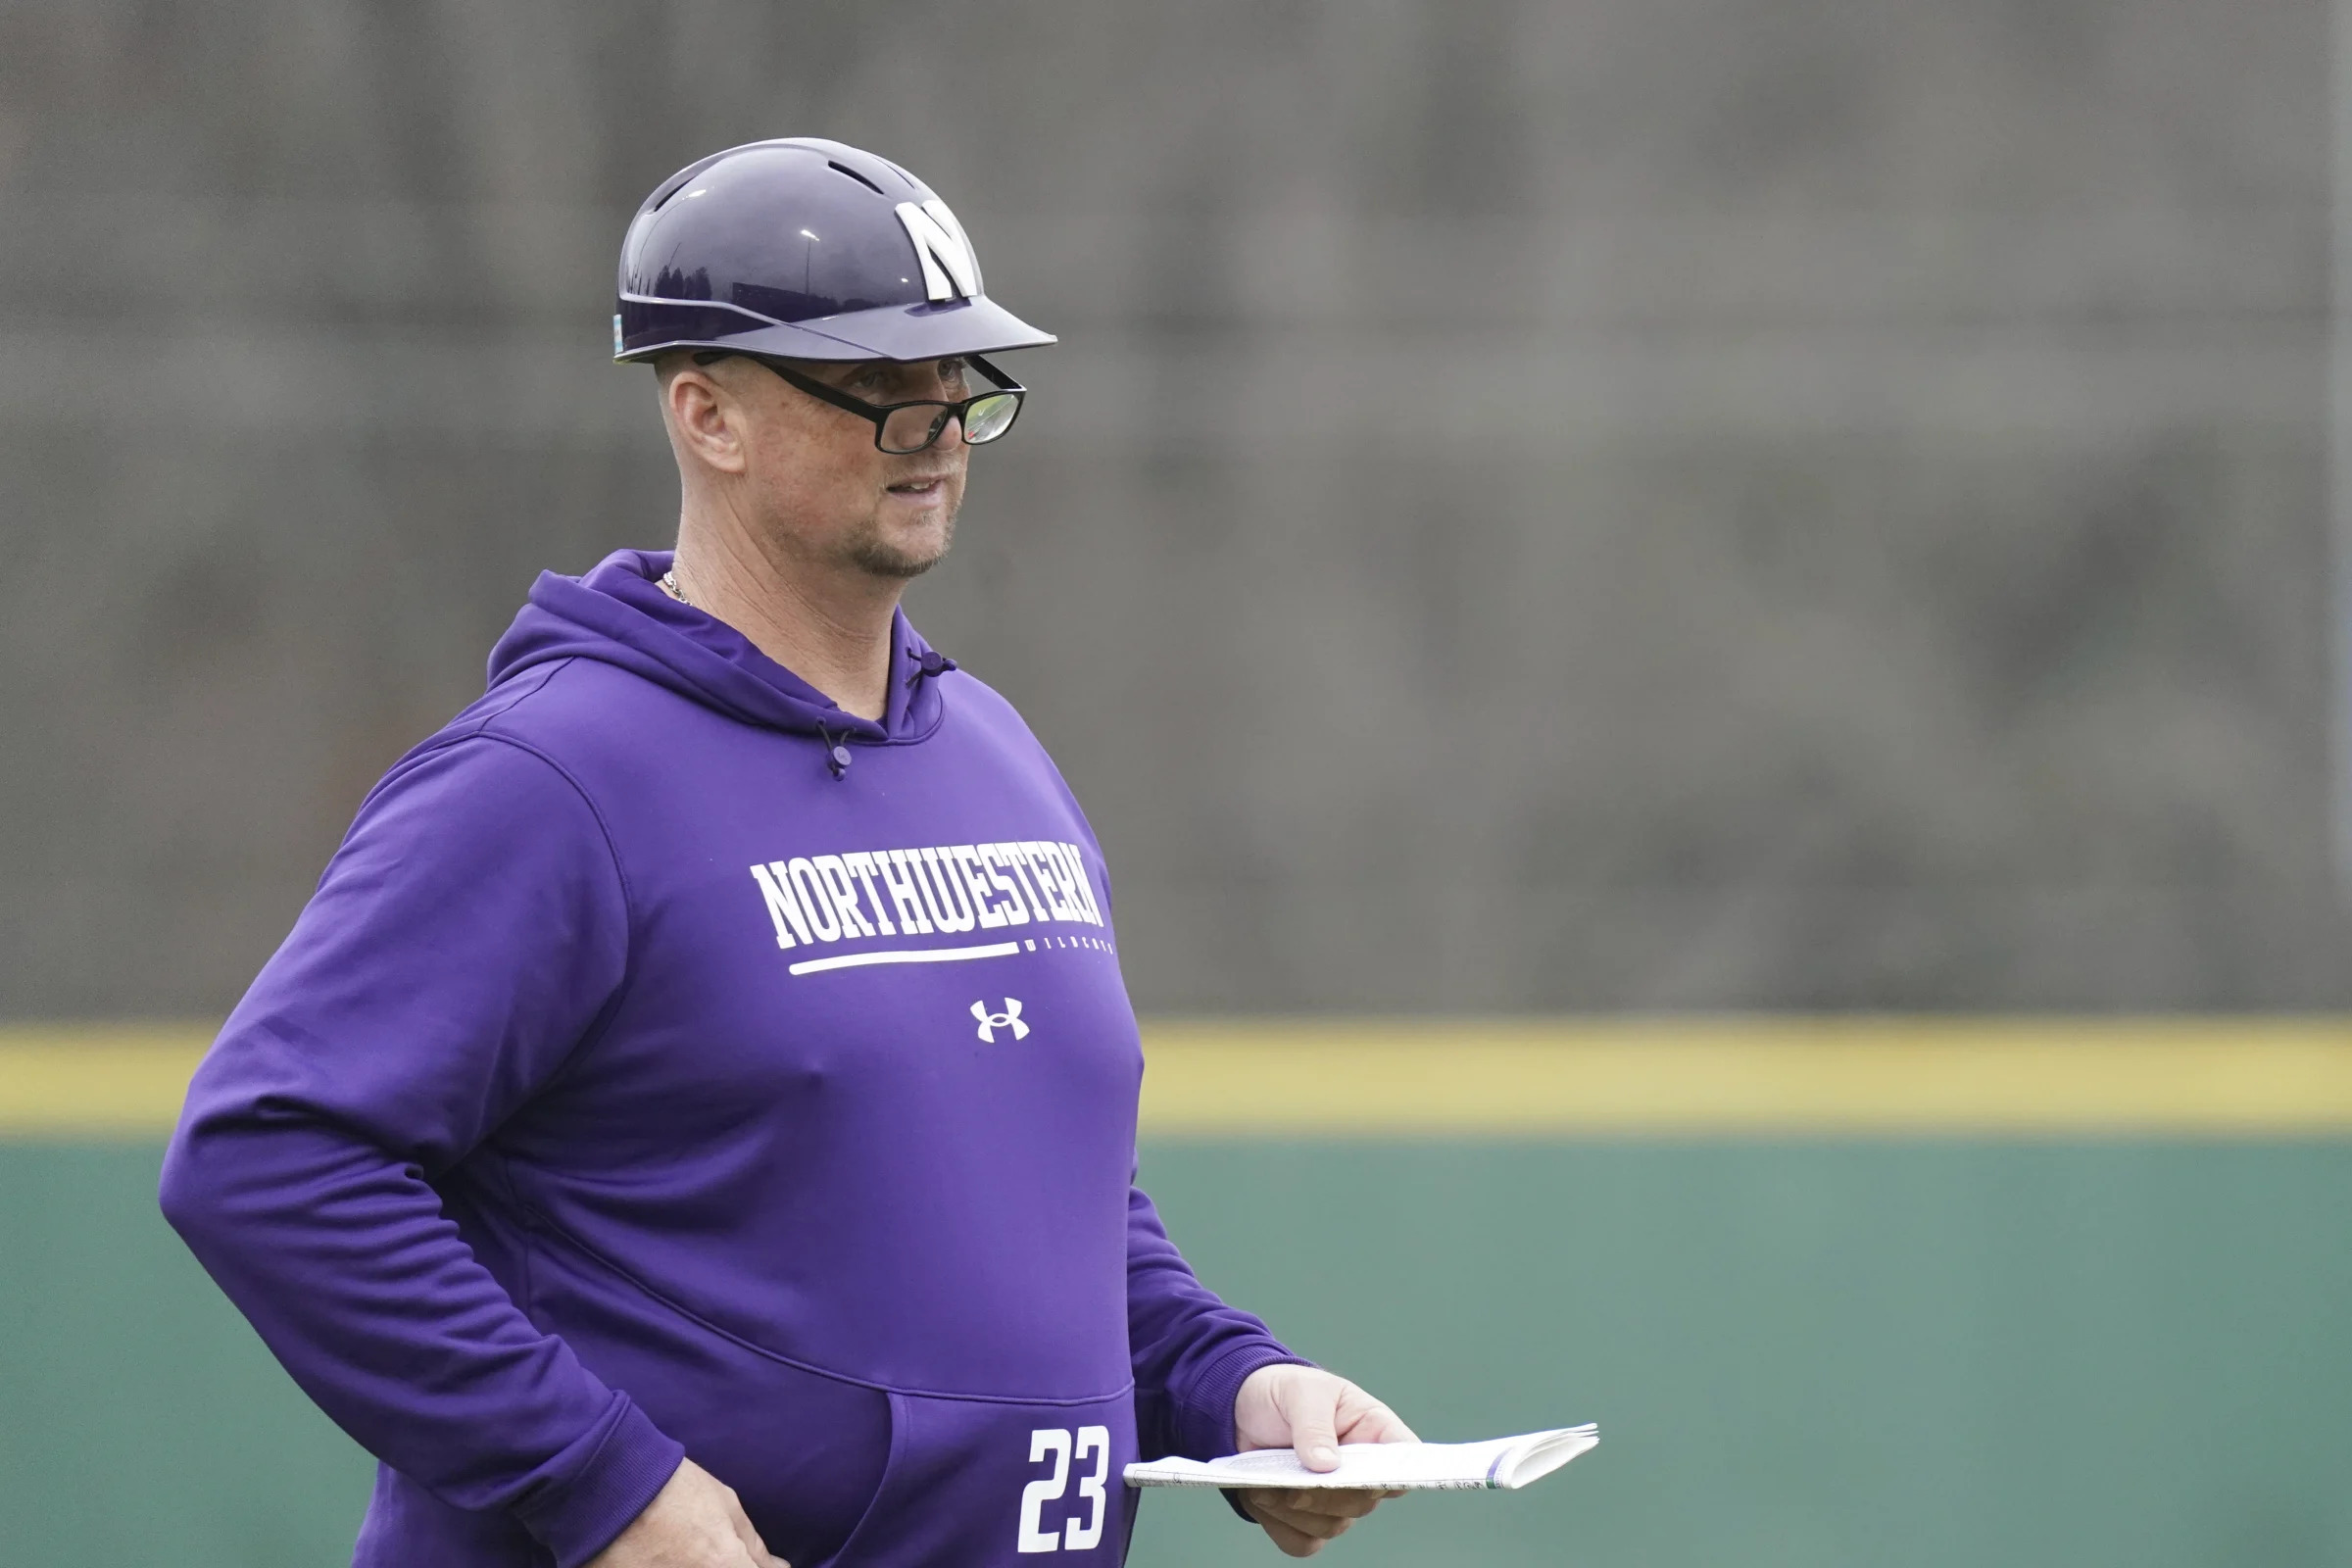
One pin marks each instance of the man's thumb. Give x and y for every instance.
(1313, 1433)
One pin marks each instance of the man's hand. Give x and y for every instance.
(693, 1522)
(1308, 1409)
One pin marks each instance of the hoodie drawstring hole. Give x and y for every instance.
(928, 662)
(837, 754)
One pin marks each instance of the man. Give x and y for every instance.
(693, 1123)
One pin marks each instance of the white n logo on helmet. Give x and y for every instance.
(948, 270)
(991, 1022)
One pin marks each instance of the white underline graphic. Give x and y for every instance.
(851, 960)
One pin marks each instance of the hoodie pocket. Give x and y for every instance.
(806, 1448)
(971, 1484)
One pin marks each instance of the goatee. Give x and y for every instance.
(880, 558)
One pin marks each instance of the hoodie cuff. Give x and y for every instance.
(579, 1516)
(1205, 1414)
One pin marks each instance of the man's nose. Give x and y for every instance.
(950, 437)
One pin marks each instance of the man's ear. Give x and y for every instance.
(705, 419)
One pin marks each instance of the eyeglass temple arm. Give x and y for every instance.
(1004, 383)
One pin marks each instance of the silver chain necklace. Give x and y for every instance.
(669, 586)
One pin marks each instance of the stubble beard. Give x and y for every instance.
(878, 557)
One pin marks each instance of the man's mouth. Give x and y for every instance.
(922, 489)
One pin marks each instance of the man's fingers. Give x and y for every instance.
(1347, 1505)
(1313, 1526)
(1301, 1535)
(1282, 1507)
(754, 1548)
(1294, 1543)
(1364, 1419)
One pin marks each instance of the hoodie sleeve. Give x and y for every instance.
(471, 933)
(1190, 1352)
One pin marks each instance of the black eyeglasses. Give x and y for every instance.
(903, 427)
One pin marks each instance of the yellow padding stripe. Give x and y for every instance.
(1855, 1077)
(1738, 1077)
(103, 1081)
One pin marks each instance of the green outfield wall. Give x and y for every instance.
(1850, 1353)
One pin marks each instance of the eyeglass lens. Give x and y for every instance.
(990, 417)
(915, 426)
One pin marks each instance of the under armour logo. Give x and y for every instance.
(1010, 1018)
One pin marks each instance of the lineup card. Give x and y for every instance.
(1498, 1464)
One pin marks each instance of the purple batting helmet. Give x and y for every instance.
(808, 250)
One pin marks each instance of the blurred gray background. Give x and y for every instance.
(1597, 504)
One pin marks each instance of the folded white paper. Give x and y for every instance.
(1498, 1464)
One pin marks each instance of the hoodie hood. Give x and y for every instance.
(618, 615)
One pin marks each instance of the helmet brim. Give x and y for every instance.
(884, 332)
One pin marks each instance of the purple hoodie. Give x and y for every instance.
(670, 1062)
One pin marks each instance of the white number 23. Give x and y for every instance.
(1053, 1443)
